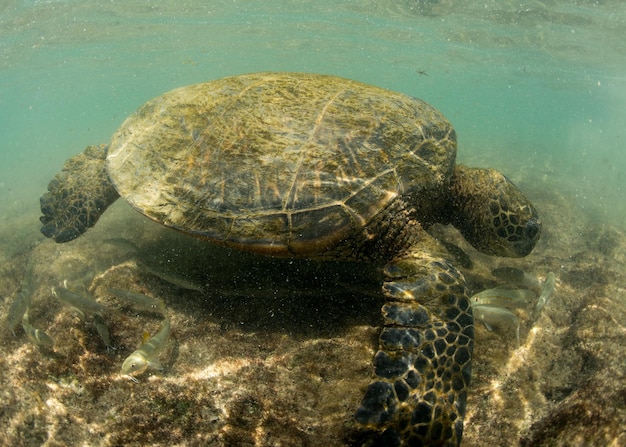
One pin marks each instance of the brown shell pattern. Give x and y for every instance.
(280, 163)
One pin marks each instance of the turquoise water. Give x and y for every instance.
(537, 89)
(534, 88)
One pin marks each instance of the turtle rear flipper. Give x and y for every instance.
(77, 196)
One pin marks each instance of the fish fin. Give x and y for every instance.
(155, 364)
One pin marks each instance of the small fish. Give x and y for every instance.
(81, 302)
(548, 288)
(18, 309)
(122, 243)
(37, 336)
(103, 330)
(494, 307)
(139, 300)
(146, 355)
(172, 278)
(498, 316)
(518, 277)
(505, 298)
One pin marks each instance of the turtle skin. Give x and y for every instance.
(320, 167)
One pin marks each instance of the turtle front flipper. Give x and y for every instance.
(77, 196)
(423, 364)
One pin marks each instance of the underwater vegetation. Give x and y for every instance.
(270, 365)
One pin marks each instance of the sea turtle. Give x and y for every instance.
(320, 167)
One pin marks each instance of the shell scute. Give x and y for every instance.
(282, 161)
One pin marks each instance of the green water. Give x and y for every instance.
(280, 352)
(534, 88)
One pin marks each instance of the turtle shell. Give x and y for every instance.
(278, 163)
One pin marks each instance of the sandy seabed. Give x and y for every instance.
(278, 353)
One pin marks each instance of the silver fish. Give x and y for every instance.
(174, 279)
(140, 301)
(505, 298)
(548, 288)
(37, 336)
(18, 309)
(20, 304)
(103, 330)
(518, 277)
(491, 315)
(494, 307)
(82, 302)
(146, 355)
